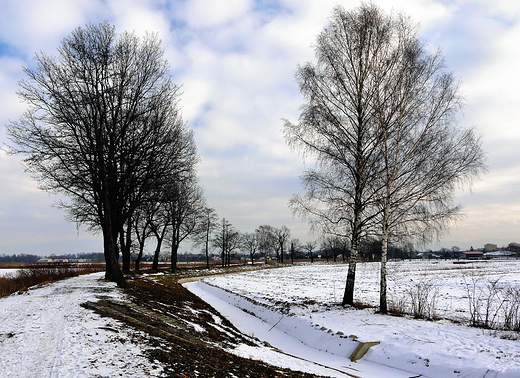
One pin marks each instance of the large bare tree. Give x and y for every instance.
(336, 127)
(99, 128)
(423, 153)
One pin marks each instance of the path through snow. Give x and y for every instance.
(44, 332)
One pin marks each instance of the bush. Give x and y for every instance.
(423, 299)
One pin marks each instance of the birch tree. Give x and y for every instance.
(336, 127)
(379, 118)
(424, 154)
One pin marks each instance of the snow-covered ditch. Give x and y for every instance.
(296, 310)
(44, 332)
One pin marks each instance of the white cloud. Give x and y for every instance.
(236, 61)
(140, 17)
(39, 25)
(208, 14)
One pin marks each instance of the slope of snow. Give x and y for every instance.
(44, 332)
(308, 297)
(295, 343)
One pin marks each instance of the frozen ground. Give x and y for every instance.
(44, 332)
(301, 303)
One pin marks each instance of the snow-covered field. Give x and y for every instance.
(302, 303)
(8, 272)
(44, 332)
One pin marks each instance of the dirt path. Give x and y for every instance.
(44, 332)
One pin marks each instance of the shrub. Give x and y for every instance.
(423, 299)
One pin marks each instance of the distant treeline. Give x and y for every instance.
(23, 258)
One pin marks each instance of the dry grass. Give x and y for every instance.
(36, 274)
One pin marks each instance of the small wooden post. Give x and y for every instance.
(361, 350)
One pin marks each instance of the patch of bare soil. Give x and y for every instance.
(186, 334)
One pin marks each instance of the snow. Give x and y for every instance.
(295, 310)
(44, 332)
(8, 272)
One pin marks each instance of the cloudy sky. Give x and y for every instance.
(236, 60)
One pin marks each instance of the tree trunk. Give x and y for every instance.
(384, 253)
(139, 257)
(207, 246)
(126, 241)
(155, 264)
(175, 249)
(113, 270)
(348, 298)
(383, 306)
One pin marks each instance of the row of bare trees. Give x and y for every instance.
(103, 127)
(264, 241)
(379, 119)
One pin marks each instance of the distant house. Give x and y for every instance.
(500, 255)
(473, 255)
(490, 247)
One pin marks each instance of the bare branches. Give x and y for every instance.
(379, 119)
(103, 127)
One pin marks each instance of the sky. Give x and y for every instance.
(236, 61)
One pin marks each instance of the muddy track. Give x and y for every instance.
(187, 335)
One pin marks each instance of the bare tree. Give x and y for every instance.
(227, 239)
(266, 240)
(282, 236)
(310, 247)
(336, 127)
(142, 229)
(100, 125)
(158, 219)
(208, 224)
(250, 244)
(295, 246)
(423, 153)
(379, 117)
(186, 204)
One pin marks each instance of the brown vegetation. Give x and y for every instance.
(188, 336)
(36, 274)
